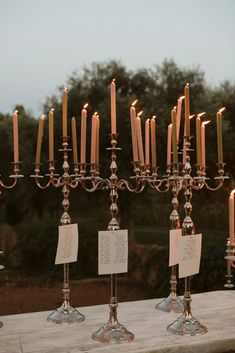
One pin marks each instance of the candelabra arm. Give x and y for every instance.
(14, 176)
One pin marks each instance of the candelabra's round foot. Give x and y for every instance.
(171, 303)
(187, 325)
(1, 324)
(65, 315)
(113, 333)
(229, 285)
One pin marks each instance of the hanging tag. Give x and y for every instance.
(112, 251)
(190, 255)
(67, 249)
(174, 246)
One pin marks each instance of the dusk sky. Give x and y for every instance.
(43, 42)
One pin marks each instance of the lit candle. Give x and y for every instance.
(178, 115)
(93, 138)
(74, 141)
(51, 135)
(203, 141)
(65, 111)
(97, 140)
(198, 138)
(169, 133)
(153, 142)
(83, 134)
(186, 110)
(219, 135)
(231, 217)
(39, 141)
(133, 131)
(147, 142)
(174, 136)
(139, 139)
(16, 137)
(113, 108)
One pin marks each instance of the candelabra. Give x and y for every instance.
(187, 324)
(15, 176)
(113, 331)
(174, 182)
(230, 264)
(66, 313)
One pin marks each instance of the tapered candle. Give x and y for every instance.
(153, 142)
(65, 112)
(113, 107)
(97, 140)
(133, 132)
(219, 135)
(198, 138)
(74, 140)
(169, 133)
(203, 141)
(39, 141)
(231, 217)
(186, 110)
(83, 134)
(139, 139)
(178, 115)
(16, 137)
(51, 135)
(93, 138)
(147, 142)
(174, 136)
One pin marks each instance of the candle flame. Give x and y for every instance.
(148, 120)
(95, 113)
(52, 110)
(65, 89)
(174, 108)
(232, 193)
(16, 111)
(154, 116)
(187, 85)
(191, 116)
(114, 80)
(206, 122)
(134, 103)
(201, 114)
(181, 98)
(170, 125)
(140, 113)
(85, 106)
(222, 110)
(42, 117)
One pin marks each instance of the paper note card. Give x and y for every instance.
(113, 251)
(174, 246)
(67, 249)
(190, 255)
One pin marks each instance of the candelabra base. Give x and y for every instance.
(187, 325)
(229, 285)
(171, 303)
(113, 332)
(66, 314)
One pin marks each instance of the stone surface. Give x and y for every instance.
(31, 333)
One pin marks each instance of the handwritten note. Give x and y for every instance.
(174, 246)
(190, 255)
(113, 251)
(67, 249)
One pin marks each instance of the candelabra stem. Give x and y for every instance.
(229, 276)
(113, 331)
(187, 324)
(65, 314)
(173, 302)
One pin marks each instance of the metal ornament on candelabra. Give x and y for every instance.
(65, 314)
(230, 264)
(16, 175)
(187, 324)
(173, 302)
(113, 331)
